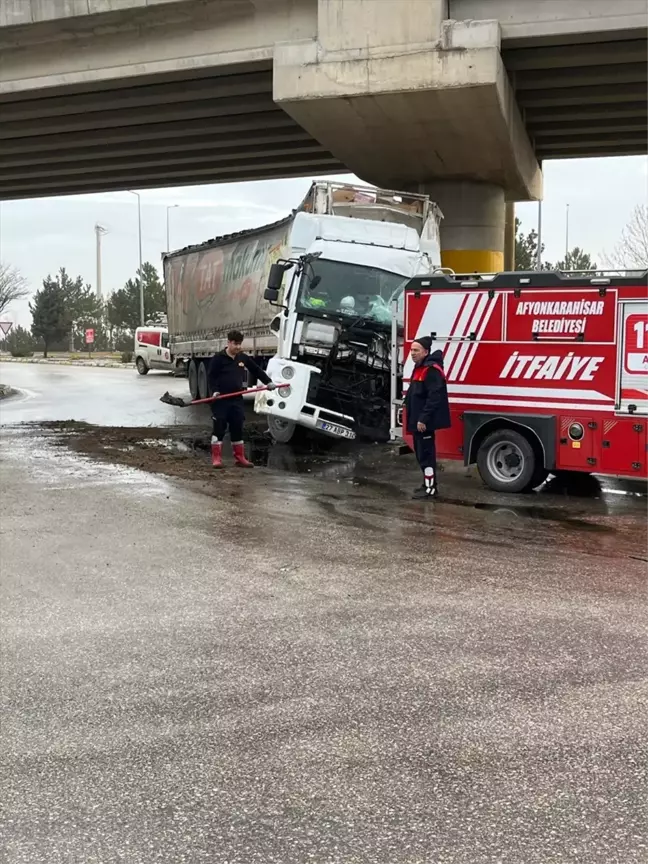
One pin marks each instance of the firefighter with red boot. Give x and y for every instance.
(427, 409)
(227, 375)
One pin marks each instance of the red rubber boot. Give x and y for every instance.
(217, 454)
(239, 455)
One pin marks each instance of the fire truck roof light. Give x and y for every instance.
(599, 281)
(470, 283)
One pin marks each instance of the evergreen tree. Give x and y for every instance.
(577, 259)
(50, 321)
(526, 248)
(526, 254)
(124, 305)
(19, 342)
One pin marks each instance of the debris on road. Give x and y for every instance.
(183, 453)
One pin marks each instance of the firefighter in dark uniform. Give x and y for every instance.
(427, 409)
(227, 375)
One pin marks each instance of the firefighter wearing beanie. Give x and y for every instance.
(426, 409)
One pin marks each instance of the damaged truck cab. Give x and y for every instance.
(350, 258)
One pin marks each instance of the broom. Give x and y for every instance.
(181, 403)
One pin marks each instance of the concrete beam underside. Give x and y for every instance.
(204, 130)
(156, 94)
(581, 100)
(401, 112)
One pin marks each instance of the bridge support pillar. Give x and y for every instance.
(473, 235)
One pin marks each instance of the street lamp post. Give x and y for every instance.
(170, 207)
(539, 250)
(139, 237)
(99, 232)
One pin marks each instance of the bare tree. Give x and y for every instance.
(631, 252)
(13, 286)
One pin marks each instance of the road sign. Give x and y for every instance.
(89, 337)
(6, 326)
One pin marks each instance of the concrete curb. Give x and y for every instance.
(100, 364)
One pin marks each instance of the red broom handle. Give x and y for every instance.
(228, 395)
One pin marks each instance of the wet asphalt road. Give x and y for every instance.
(109, 397)
(309, 668)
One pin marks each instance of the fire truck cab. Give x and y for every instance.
(546, 371)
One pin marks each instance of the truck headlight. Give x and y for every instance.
(284, 390)
(288, 372)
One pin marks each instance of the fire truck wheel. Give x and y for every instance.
(507, 462)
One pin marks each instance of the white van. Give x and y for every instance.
(152, 349)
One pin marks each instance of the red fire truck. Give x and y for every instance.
(546, 371)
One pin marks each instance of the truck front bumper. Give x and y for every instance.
(289, 402)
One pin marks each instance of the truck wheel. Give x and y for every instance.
(192, 375)
(282, 431)
(142, 368)
(506, 461)
(203, 383)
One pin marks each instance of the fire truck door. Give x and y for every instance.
(632, 385)
(623, 446)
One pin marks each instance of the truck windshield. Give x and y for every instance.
(339, 288)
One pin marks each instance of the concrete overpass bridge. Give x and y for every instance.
(463, 98)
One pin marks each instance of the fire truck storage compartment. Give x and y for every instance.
(577, 443)
(622, 446)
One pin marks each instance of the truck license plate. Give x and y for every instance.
(334, 429)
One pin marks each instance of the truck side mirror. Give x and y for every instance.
(275, 278)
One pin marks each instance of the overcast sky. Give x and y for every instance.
(40, 236)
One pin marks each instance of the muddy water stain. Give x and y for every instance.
(550, 514)
(367, 473)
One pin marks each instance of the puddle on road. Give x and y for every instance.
(60, 469)
(168, 444)
(533, 511)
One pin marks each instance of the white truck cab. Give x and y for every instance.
(152, 349)
(334, 316)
